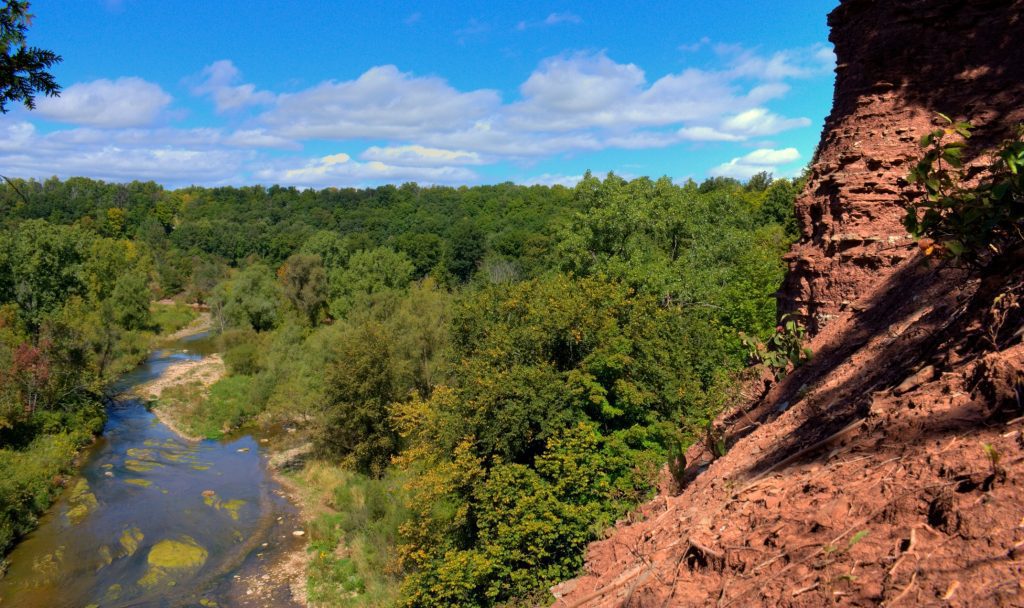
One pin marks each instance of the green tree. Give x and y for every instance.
(305, 285)
(368, 272)
(466, 249)
(130, 300)
(23, 69)
(251, 299)
(360, 386)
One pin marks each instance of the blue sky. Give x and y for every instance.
(317, 94)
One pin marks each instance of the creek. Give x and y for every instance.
(154, 520)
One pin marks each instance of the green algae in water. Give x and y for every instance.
(201, 467)
(106, 557)
(145, 483)
(232, 507)
(113, 593)
(141, 466)
(174, 457)
(130, 540)
(141, 453)
(82, 501)
(49, 566)
(170, 557)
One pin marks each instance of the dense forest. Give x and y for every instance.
(491, 375)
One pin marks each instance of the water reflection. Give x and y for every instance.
(152, 520)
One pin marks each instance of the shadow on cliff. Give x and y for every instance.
(963, 43)
(923, 319)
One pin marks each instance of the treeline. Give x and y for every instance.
(497, 369)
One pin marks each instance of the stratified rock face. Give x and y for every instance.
(899, 62)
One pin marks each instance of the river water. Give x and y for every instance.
(152, 519)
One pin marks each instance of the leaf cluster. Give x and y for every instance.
(959, 217)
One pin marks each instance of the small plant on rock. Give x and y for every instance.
(951, 215)
(784, 350)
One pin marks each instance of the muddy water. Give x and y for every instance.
(152, 519)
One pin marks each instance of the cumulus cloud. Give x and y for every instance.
(125, 156)
(790, 63)
(759, 121)
(16, 135)
(220, 80)
(382, 103)
(706, 134)
(420, 156)
(258, 138)
(552, 179)
(762, 159)
(584, 91)
(125, 102)
(340, 170)
(422, 127)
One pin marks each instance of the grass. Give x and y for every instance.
(352, 538)
(32, 474)
(169, 318)
(212, 412)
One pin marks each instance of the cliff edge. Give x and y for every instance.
(889, 470)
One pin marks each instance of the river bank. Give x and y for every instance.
(140, 491)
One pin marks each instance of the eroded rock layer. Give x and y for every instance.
(898, 64)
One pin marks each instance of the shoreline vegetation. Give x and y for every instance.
(462, 386)
(37, 462)
(187, 385)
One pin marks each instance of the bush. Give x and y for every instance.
(28, 482)
(955, 217)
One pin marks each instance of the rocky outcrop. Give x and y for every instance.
(889, 470)
(899, 63)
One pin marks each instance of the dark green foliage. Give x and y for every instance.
(783, 351)
(23, 69)
(465, 251)
(305, 285)
(361, 386)
(960, 220)
(130, 300)
(251, 299)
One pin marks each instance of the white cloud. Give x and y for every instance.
(706, 134)
(258, 138)
(758, 122)
(552, 179)
(585, 91)
(762, 159)
(220, 78)
(420, 156)
(340, 170)
(566, 17)
(125, 102)
(16, 135)
(695, 46)
(124, 158)
(382, 103)
(790, 63)
(580, 84)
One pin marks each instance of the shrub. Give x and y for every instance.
(784, 350)
(956, 217)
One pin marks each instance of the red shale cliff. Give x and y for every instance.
(898, 63)
(890, 469)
